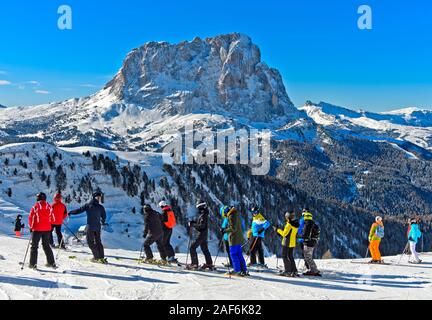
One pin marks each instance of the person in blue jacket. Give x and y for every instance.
(223, 212)
(258, 229)
(300, 239)
(413, 237)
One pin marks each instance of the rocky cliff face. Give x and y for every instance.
(224, 74)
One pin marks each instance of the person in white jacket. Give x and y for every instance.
(413, 237)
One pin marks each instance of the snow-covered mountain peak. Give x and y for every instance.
(223, 74)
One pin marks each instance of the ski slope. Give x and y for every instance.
(125, 279)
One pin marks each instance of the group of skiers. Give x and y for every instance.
(304, 232)
(376, 234)
(45, 218)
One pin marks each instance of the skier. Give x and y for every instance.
(18, 225)
(169, 222)
(236, 239)
(224, 211)
(289, 238)
(201, 226)
(376, 233)
(414, 235)
(259, 226)
(96, 217)
(311, 234)
(153, 233)
(40, 220)
(60, 213)
(300, 239)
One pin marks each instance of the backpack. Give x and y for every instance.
(379, 232)
(315, 233)
(171, 223)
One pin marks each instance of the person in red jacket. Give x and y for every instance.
(40, 220)
(168, 224)
(60, 213)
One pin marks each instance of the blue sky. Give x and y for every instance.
(315, 44)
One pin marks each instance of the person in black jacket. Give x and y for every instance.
(153, 233)
(19, 225)
(96, 217)
(310, 243)
(201, 226)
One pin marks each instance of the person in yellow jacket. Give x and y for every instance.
(376, 233)
(289, 242)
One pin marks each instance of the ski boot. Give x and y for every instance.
(312, 274)
(162, 262)
(227, 265)
(295, 275)
(208, 267)
(33, 266)
(149, 261)
(245, 273)
(52, 266)
(192, 267)
(235, 274)
(104, 261)
(172, 260)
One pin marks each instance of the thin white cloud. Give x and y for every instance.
(42, 92)
(34, 82)
(4, 83)
(89, 85)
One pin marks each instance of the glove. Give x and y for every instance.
(370, 239)
(145, 235)
(223, 230)
(248, 253)
(275, 228)
(410, 239)
(260, 230)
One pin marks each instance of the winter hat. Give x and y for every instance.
(19, 216)
(379, 218)
(147, 207)
(413, 220)
(97, 194)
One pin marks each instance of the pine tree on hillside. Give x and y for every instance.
(40, 165)
(60, 179)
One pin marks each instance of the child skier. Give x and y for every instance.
(19, 225)
(201, 226)
(60, 213)
(40, 220)
(168, 224)
(236, 239)
(376, 233)
(259, 226)
(153, 233)
(413, 237)
(289, 239)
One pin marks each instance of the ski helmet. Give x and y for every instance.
(19, 216)
(97, 194)
(58, 197)
(224, 211)
(201, 204)
(379, 218)
(41, 197)
(147, 207)
(162, 204)
(255, 210)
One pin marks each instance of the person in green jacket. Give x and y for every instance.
(235, 239)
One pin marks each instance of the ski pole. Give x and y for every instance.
(189, 244)
(60, 245)
(367, 252)
(403, 253)
(68, 229)
(141, 253)
(25, 256)
(252, 248)
(219, 250)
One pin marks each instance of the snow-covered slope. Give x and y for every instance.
(412, 125)
(123, 278)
